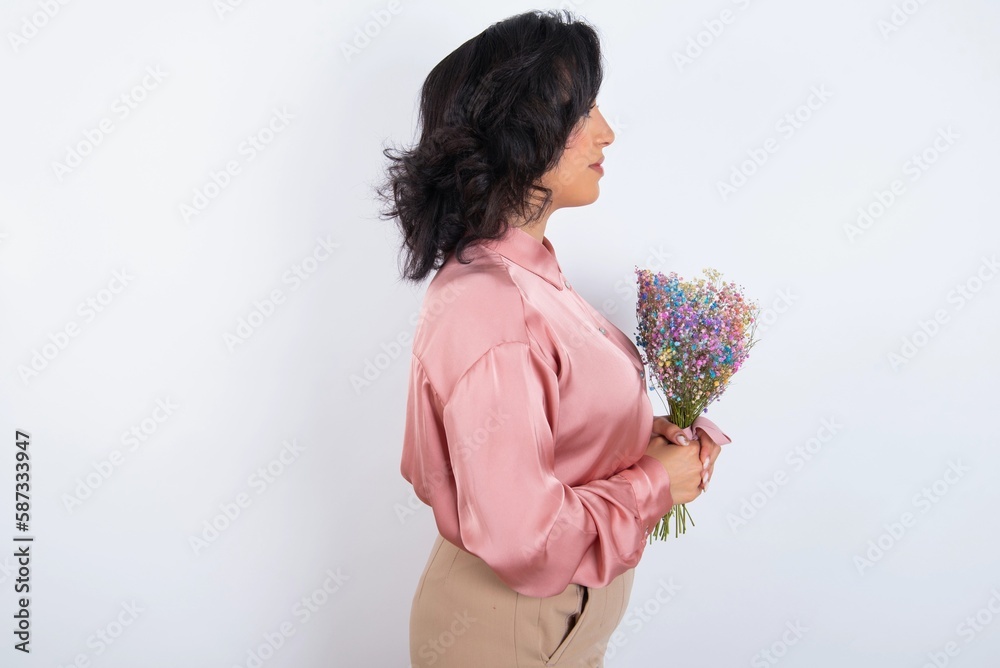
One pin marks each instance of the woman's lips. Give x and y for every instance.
(599, 168)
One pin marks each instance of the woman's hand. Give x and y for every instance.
(708, 450)
(682, 465)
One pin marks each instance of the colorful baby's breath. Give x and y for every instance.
(693, 336)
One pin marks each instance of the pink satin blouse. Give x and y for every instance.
(527, 422)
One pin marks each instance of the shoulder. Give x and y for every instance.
(467, 310)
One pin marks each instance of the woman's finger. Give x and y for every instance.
(664, 427)
(706, 475)
(710, 451)
(706, 452)
(709, 448)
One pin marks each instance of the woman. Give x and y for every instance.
(528, 428)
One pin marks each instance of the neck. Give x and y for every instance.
(536, 228)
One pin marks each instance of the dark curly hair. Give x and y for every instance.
(496, 114)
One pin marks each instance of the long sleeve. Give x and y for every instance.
(538, 533)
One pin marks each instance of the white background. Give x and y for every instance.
(895, 75)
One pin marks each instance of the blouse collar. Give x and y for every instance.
(523, 249)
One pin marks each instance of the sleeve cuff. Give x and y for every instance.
(651, 485)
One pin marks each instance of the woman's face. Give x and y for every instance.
(574, 178)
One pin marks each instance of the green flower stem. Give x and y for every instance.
(683, 415)
(662, 529)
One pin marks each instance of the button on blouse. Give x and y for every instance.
(527, 422)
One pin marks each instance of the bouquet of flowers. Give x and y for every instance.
(693, 336)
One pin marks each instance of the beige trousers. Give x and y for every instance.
(464, 616)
